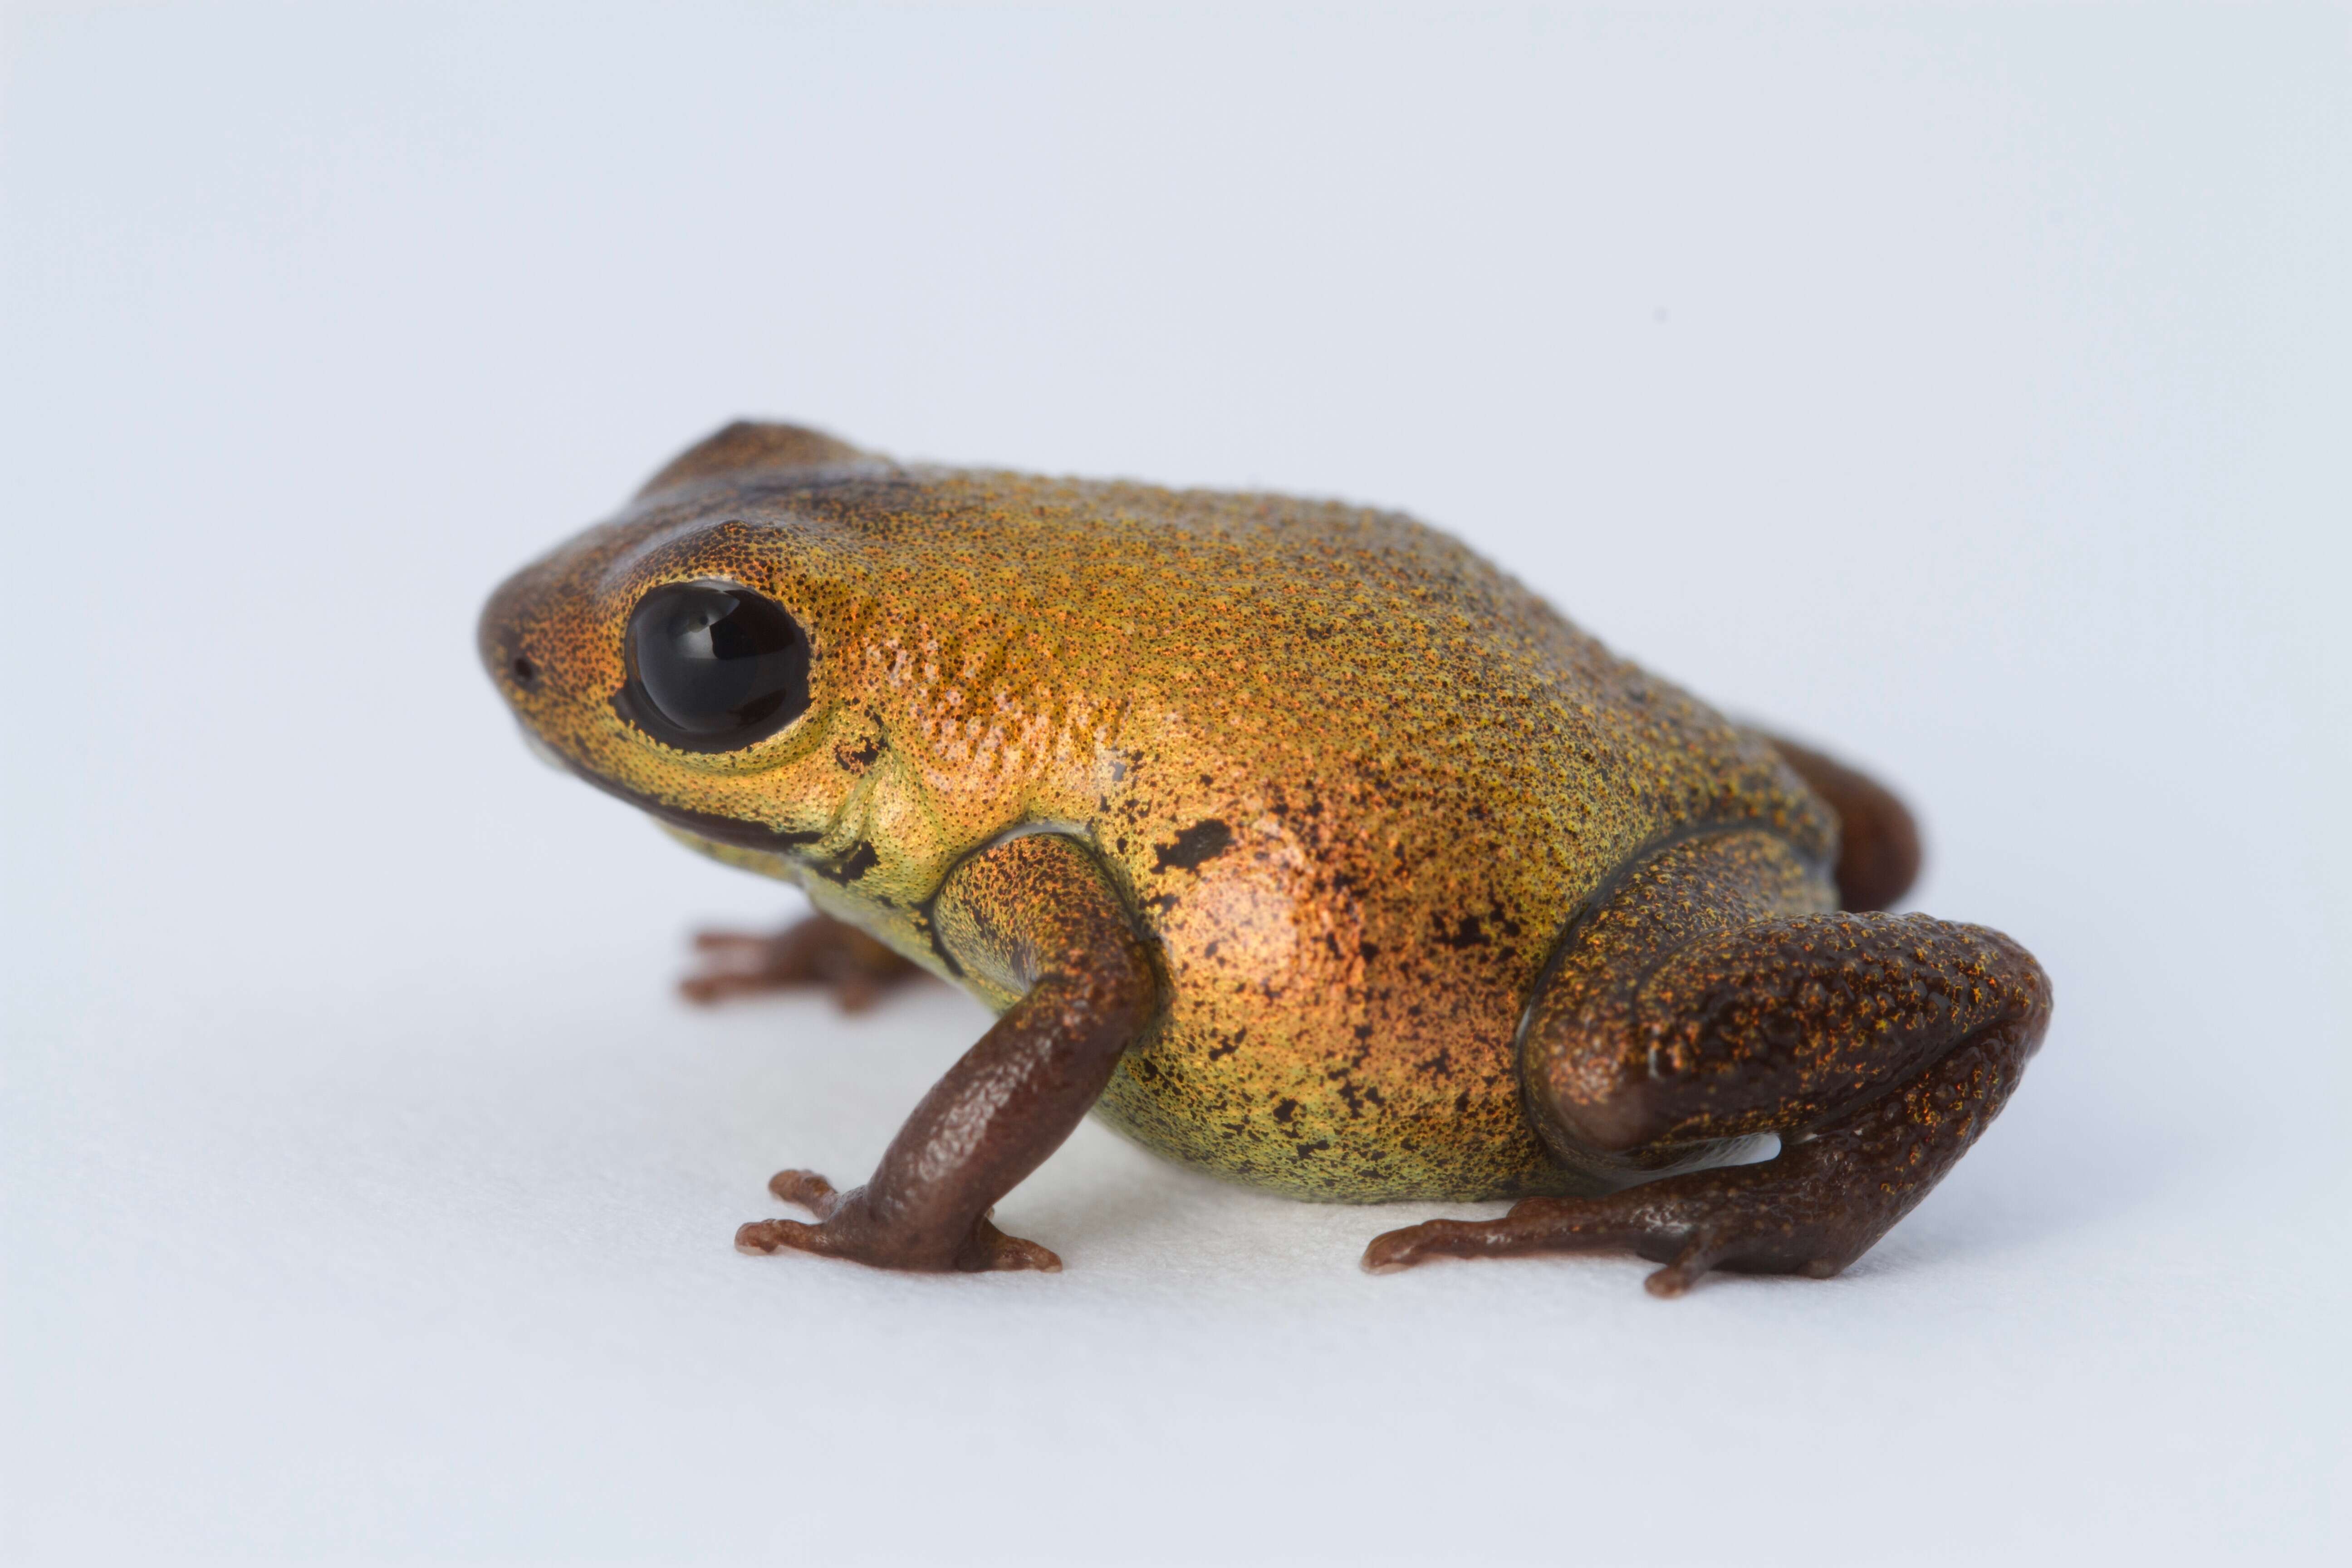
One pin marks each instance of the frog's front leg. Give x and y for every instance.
(818, 951)
(1032, 917)
(1701, 1002)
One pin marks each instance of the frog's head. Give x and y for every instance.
(697, 654)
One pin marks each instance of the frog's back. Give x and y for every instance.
(1360, 781)
(1334, 655)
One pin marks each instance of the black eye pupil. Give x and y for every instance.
(713, 666)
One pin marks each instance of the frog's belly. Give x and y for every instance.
(1344, 1120)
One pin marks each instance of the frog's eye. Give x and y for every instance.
(712, 666)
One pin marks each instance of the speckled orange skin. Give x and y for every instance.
(1352, 782)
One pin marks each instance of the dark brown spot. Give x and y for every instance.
(1201, 842)
(860, 859)
(1470, 932)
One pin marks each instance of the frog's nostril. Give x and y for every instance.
(526, 673)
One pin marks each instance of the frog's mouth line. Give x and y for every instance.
(720, 830)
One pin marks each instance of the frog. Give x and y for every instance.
(1289, 838)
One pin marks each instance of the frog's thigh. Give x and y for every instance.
(1702, 1002)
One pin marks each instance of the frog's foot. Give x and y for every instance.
(846, 1227)
(817, 952)
(1823, 1202)
(1735, 1219)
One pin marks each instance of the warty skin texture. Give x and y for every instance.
(1395, 884)
(1351, 780)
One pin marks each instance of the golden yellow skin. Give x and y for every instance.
(1352, 782)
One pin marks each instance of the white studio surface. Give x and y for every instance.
(1965, 390)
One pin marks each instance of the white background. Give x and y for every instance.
(1966, 390)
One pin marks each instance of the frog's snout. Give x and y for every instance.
(499, 639)
(529, 642)
(517, 669)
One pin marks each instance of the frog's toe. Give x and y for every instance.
(1702, 1254)
(989, 1251)
(1534, 1225)
(802, 1189)
(765, 1238)
(1398, 1251)
(727, 963)
(1697, 1255)
(806, 1189)
(818, 952)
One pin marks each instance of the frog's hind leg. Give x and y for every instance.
(1826, 1200)
(1693, 1007)
(816, 952)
